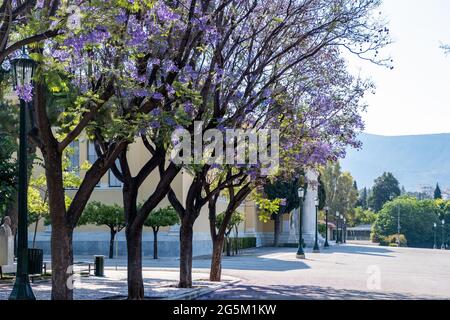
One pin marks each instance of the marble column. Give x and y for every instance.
(309, 208)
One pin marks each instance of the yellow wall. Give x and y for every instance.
(138, 155)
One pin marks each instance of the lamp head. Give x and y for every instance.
(301, 192)
(22, 69)
(316, 202)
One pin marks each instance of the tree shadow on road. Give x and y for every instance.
(286, 292)
(364, 250)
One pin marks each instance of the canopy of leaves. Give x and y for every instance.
(102, 214)
(386, 187)
(281, 189)
(236, 219)
(341, 195)
(163, 217)
(362, 216)
(8, 171)
(416, 219)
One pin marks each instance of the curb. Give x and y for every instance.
(197, 292)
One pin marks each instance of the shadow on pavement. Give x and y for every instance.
(364, 250)
(285, 292)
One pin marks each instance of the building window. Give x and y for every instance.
(92, 155)
(74, 157)
(113, 181)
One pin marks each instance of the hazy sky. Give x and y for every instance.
(414, 98)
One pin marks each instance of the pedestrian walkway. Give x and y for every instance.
(158, 284)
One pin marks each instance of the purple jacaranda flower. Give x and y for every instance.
(188, 107)
(157, 96)
(156, 112)
(170, 121)
(25, 92)
(154, 124)
(164, 13)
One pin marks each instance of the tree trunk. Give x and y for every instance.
(111, 243)
(155, 243)
(62, 262)
(228, 246)
(276, 232)
(215, 273)
(186, 235)
(135, 280)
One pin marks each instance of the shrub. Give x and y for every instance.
(391, 241)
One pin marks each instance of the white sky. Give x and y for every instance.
(414, 98)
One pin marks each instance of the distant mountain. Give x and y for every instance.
(416, 161)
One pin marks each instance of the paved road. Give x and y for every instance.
(343, 272)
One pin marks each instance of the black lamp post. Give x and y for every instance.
(300, 251)
(23, 70)
(344, 230)
(326, 245)
(316, 240)
(337, 227)
(443, 233)
(434, 229)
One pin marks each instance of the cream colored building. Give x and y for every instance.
(90, 240)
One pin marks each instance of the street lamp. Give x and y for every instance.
(300, 251)
(22, 69)
(434, 229)
(337, 227)
(326, 245)
(345, 230)
(443, 230)
(341, 238)
(316, 241)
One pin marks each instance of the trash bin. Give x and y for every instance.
(99, 262)
(35, 261)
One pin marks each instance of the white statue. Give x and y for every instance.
(6, 243)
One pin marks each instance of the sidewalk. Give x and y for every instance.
(158, 284)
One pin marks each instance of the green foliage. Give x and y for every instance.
(437, 192)
(236, 219)
(392, 241)
(386, 186)
(266, 207)
(163, 217)
(101, 214)
(363, 199)
(341, 194)
(38, 206)
(240, 243)
(8, 171)
(416, 220)
(283, 189)
(362, 216)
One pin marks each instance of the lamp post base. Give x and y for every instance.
(22, 289)
(326, 245)
(316, 248)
